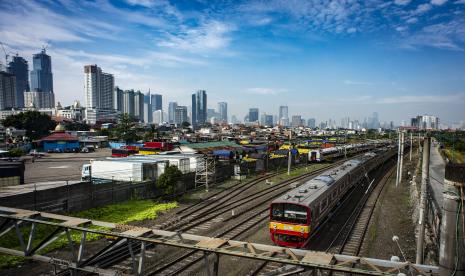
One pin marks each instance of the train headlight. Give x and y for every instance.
(275, 226)
(302, 230)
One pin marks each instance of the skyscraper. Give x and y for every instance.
(19, 67)
(283, 112)
(156, 102)
(172, 112)
(99, 88)
(7, 90)
(253, 115)
(128, 102)
(311, 123)
(41, 74)
(223, 111)
(118, 100)
(139, 106)
(180, 115)
(296, 120)
(199, 108)
(148, 113)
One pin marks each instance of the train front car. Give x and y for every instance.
(289, 224)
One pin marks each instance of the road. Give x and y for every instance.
(436, 171)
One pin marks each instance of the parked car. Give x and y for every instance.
(88, 149)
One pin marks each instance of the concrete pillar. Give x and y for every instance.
(402, 142)
(398, 159)
(452, 248)
(423, 196)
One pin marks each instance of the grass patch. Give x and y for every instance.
(133, 210)
(455, 156)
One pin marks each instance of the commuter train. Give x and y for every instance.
(320, 155)
(296, 214)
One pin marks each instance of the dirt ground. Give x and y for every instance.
(393, 217)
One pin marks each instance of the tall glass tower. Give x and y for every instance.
(199, 107)
(19, 67)
(41, 74)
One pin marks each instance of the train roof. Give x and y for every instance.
(306, 193)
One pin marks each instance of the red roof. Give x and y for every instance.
(60, 136)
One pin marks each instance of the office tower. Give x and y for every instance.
(158, 117)
(118, 101)
(425, 122)
(171, 112)
(19, 67)
(41, 74)
(148, 113)
(99, 88)
(7, 90)
(283, 112)
(156, 102)
(211, 113)
(296, 120)
(223, 111)
(253, 115)
(234, 119)
(180, 115)
(128, 102)
(268, 120)
(39, 99)
(199, 108)
(139, 106)
(311, 123)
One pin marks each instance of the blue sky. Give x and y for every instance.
(324, 59)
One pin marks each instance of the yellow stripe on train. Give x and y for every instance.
(289, 227)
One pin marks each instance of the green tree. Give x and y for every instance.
(77, 126)
(126, 129)
(15, 152)
(35, 123)
(167, 180)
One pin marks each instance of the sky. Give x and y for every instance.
(324, 59)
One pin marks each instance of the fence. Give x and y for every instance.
(433, 216)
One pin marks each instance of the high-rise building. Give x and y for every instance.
(296, 120)
(39, 99)
(99, 88)
(172, 112)
(139, 106)
(425, 122)
(148, 113)
(41, 74)
(199, 108)
(7, 90)
(158, 117)
(180, 115)
(118, 99)
(283, 112)
(128, 102)
(223, 111)
(19, 67)
(268, 120)
(156, 102)
(311, 123)
(253, 115)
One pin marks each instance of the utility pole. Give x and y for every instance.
(402, 138)
(398, 159)
(289, 159)
(423, 196)
(411, 145)
(452, 245)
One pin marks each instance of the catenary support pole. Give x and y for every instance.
(402, 138)
(411, 145)
(423, 196)
(452, 247)
(289, 159)
(398, 158)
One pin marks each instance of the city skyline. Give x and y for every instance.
(409, 62)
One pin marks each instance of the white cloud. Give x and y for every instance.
(351, 30)
(459, 2)
(412, 20)
(352, 82)
(422, 8)
(438, 2)
(209, 36)
(265, 91)
(401, 28)
(402, 2)
(451, 98)
(145, 3)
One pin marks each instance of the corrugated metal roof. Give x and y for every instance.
(207, 145)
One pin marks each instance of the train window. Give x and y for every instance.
(289, 213)
(323, 204)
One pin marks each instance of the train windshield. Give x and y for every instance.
(286, 212)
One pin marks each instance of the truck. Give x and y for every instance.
(122, 169)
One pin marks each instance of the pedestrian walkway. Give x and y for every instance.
(436, 170)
